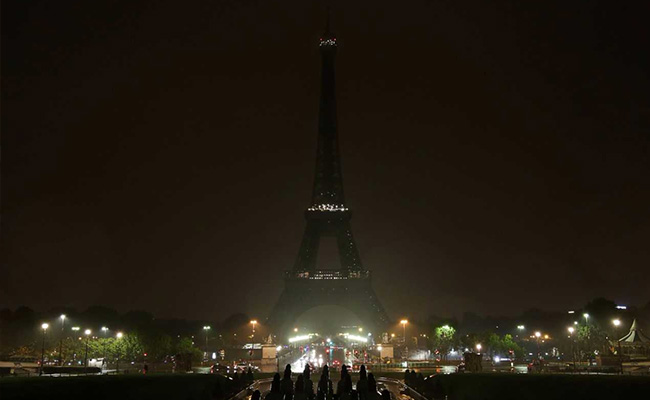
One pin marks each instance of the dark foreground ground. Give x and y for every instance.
(536, 387)
(137, 387)
(215, 387)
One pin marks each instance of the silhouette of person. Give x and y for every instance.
(385, 395)
(362, 384)
(340, 389)
(413, 378)
(275, 393)
(256, 395)
(299, 390)
(286, 385)
(344, 391)
(309, 385)
(321, 392)
(372, 387)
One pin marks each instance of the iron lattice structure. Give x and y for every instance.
(328, 216)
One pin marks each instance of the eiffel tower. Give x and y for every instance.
(305, 286)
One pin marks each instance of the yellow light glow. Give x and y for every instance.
(45, 325)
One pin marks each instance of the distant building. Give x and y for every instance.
(635, 344)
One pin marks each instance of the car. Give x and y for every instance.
(219, 369)
(461, 367)
(536, 366)
(243, 367)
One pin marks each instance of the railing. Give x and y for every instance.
(327, 274)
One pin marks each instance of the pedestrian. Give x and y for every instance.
(299, 390)
(362, 384)
(372, 387)
(309, 385)
(286, 385)
(275, 393)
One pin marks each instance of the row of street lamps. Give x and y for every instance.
(87, 332)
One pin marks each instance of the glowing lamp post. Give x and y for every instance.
(61, 339)
(586, 318)
(404, 322)
(118, 351)
(44, 326)
(478, 347)
(105, 330)
(573, 352)
(87, 332)
(206, 329)
(253, 323)
(538, 334)
(617, 323)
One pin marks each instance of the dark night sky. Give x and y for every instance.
(159, 155)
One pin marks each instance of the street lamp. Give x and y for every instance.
(206, 329)
(617, 323)
(61, 339)
(44, 326)
(404, 322)
(118, 350)
(538, 334)
(573, 352)
(586, 318)
(253, 322)
(87, 332)
(478, 347)
(105, 330)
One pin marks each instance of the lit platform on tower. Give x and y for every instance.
(326, 274)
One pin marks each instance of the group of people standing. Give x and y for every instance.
(303, 389)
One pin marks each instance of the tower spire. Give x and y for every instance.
(328, 180)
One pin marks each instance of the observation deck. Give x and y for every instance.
(326, 274)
